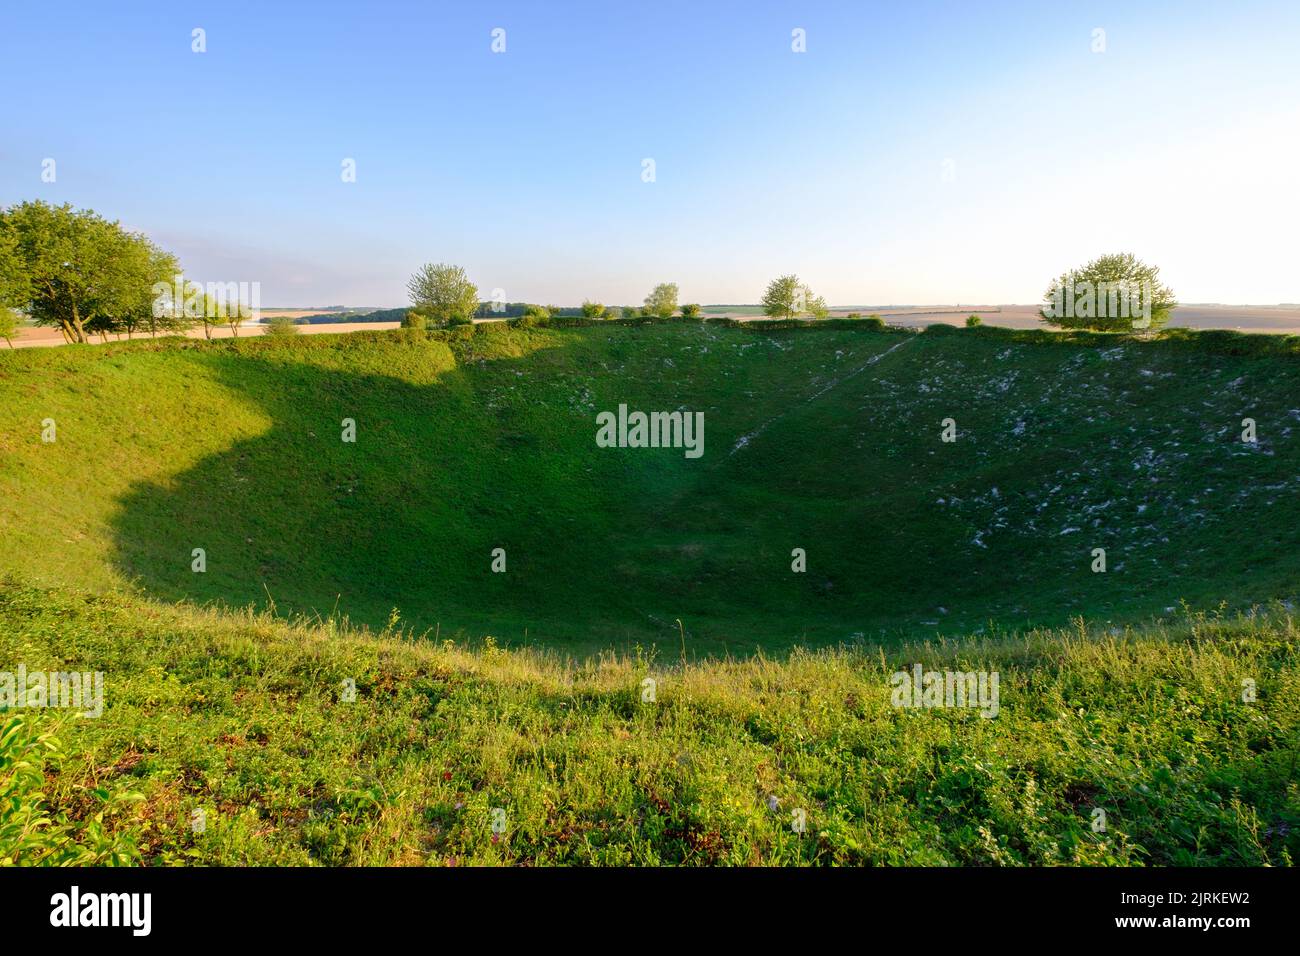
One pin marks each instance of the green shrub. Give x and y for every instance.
(280, 325)
(874, 321)
(691, 311)
(33, 835)
(414, 320)
(1228, 342)
(534, 316)
(973, 320)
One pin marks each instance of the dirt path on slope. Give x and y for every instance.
(745, 439)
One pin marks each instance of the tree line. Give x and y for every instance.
(1111, 293)
(86, 275)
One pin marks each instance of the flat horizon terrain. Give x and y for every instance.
(1278, 320)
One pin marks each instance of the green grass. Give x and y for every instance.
(485, 439)
(240, 715)
(370, 562)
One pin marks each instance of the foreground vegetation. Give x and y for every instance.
(243, 716)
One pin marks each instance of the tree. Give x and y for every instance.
(153, 306)
(781, 300)
(1112, 293)
(13, 277)
(787, 297)
(973, 320)
(235, 313)
(662, 300)
(13, 283)
(814, 305)
(8, 324)
(193, 306)
(444, 294)
(691, 311)
(630, 312)
(195, 303)
(82, 271)
(592, 310)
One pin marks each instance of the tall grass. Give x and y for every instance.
(245, 716)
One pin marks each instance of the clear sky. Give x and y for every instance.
(916, 152)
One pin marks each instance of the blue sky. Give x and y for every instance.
(919, 152)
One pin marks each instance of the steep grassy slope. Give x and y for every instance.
(826, 439)
(241, 716)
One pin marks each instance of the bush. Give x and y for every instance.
(854, 315)
(973, 320)
(874, 321)
(30, 834)
(444, 293)
(534, 316)
(691, 311)
(1101, 296)
(414, 320)
(280, 325)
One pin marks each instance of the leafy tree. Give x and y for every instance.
(814, 305)
(13, 282)
(1112, 293)
(235, 314)
(630, 312)
(691, 311)
(787, 297)
(195, 306)
(82, 271)
(444, 294)
(592, 310)
(8, 324)
(662, 300)
(152, 307)
(782, 300)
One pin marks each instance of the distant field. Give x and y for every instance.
(1236, 318)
